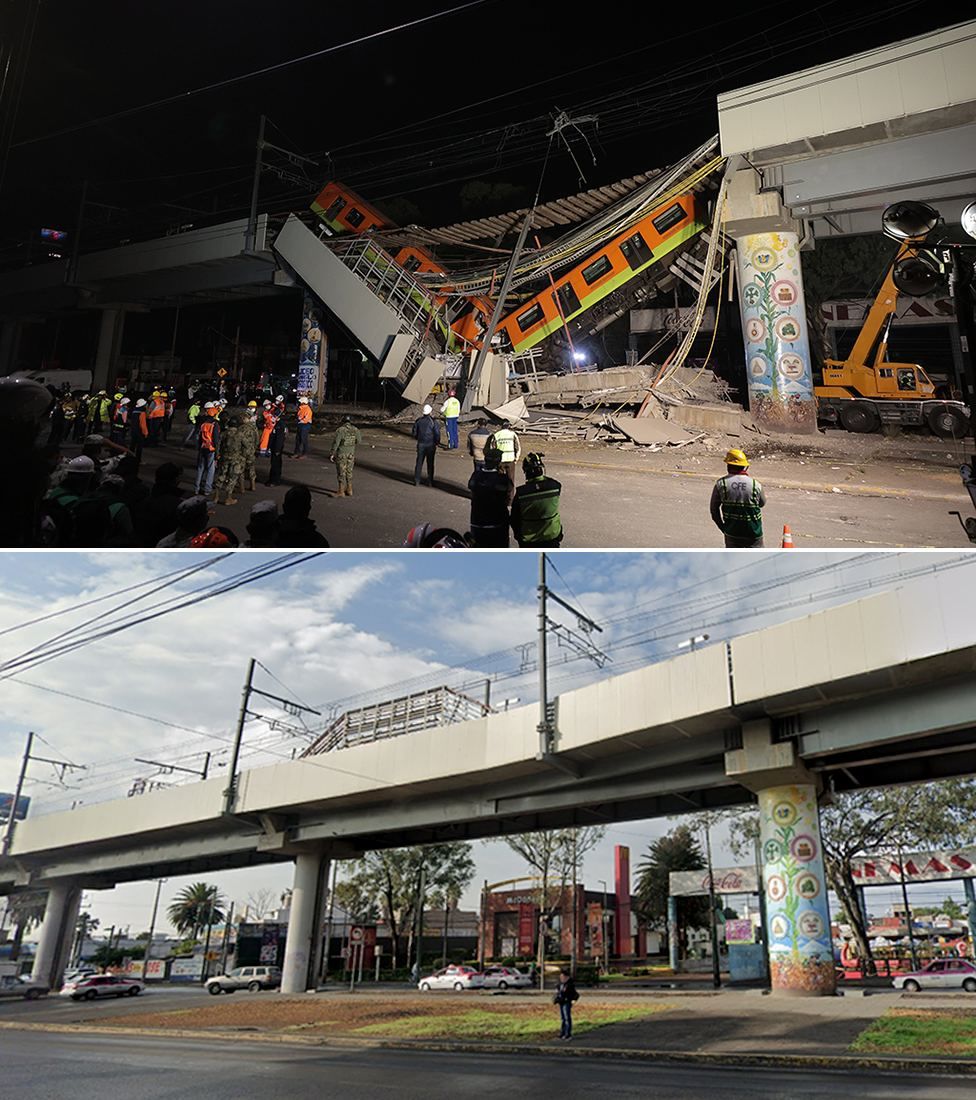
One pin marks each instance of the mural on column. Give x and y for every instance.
(774, 328)
(801, 956)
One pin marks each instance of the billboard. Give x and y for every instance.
(185, 970)
(7, 800)
(310, 380)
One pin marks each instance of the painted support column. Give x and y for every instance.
(621, 867)
(774, 328)
(970, 888)
(109, 342)
(304, 922)
(801, 957)
(673, 953)
(9, 344)
(60, 915)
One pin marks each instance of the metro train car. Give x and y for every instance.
(343, 211)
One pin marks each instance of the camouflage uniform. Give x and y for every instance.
(344, 454)
(249, 435)
(230, 462)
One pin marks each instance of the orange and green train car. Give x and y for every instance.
(622, 259)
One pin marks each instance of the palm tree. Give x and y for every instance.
(196, 907)
(26, 911)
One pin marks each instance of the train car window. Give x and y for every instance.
(411, 263)
(334, 208)
(636, 252)
(670, 218)
(566, 299)
(531, 317)
(355, 217)
(596, 270)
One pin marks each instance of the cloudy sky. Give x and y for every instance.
(338, 630)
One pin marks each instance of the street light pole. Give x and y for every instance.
(603, 929)
(152, 928)
(716, 969)
(12, 816)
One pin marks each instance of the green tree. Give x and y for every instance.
(952, 909)
(195, 908)
(882, 822)
(677, 850)
(397, 882)
(106, 956)
(26, 911)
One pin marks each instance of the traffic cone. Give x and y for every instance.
(787, 538)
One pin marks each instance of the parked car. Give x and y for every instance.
(22, 986)
(453, 977)
(251, 978)
(102, 985)
(939, 974)
(506, 977)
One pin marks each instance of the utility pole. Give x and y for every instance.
(252, 221)
(908, 912)
(603, 928)
(228, 924)
(545, 724)
(61, 766)
(716, 970)
(152, 928)
(230, 791)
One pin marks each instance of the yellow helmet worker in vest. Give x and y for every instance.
(737, 503)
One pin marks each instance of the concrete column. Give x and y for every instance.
(673, 952)
(304, 921)
(774, 323)
(774, 327)
(967, 885)
(57, 928)
(621, 888)
(9, 344)
(109, 342)
(801, 957)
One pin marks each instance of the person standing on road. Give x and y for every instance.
(230, 461)
(138, 429)
(535, 510)
(155, 414)
(192, 415)
(344, 443)
(488, 487)
(508, 444)
(120, 416)
(207, 449)
(451, 410)
(428, 435)
(249, 435)
(565, 996)
(276, 447)
(304, 428)
(267, 421)
(477, 440)
(737, 503)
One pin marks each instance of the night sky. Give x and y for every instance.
(651, 72)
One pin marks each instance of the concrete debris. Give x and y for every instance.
(512, 410)
(647, 430)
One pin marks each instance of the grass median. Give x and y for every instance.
(920, 1032)
(422, 1017)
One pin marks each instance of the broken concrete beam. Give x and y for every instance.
(714, 418)
(647, 430)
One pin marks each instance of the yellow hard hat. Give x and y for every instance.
(155, 393)
(118, 397)
(252, 404)
(735, 457)
(163, 393)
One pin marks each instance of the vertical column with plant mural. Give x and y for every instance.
(801, 956)
(775, 330)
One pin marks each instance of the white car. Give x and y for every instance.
(453, 977)
(102, 985)
(506, 977)
(940, 974)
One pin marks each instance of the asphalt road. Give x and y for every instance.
(63, 1010)
(614, 498)
(50, 1066)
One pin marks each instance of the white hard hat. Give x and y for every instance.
(81, 465)
(140, 403)
(280, 397)
(427, 410)
(124, 401)
(303, 400)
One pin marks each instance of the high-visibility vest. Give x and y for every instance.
(304, 414)
(505, 440)
(451, 408)
(741, 519)
(209, 434)
(156, 409)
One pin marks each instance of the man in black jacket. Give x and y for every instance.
(428, 435)
(489, 502)
(565, 995)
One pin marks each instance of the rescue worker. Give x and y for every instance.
(79, 430)
(207, 449)
(155, 414)
(343, 454)
(279, 405)
(193, 415)
(428, 435)
(304, 428)
(488, 487)
(169, 407)
(69, 405)
(230, 460)
(508, 444)
(737, 503)
(249, 434)
(276, 448)
(477, 439)
(103, 412)
(535, 509)
(91, 413)
(451, 410)
(267, 422)
(138, 428)
(119, 418)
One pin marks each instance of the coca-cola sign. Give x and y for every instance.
(727, 880)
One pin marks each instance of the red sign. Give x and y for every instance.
(526, 935)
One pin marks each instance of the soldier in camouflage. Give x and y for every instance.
(251, 436)
(344, 454)
(230, 461)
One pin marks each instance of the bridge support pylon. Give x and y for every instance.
(57, 933)
(801, 956)
(305, 922)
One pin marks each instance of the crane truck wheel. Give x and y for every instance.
(949, 423)
(858, 417)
